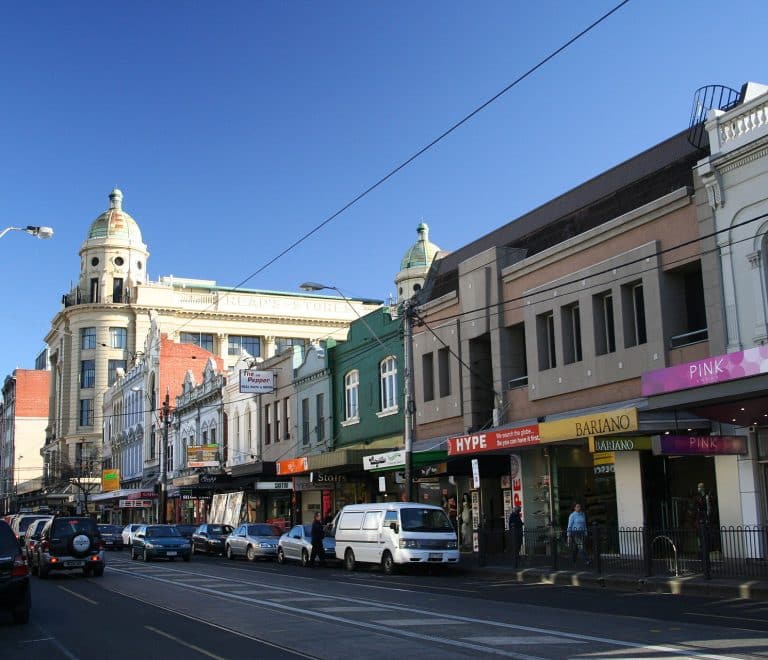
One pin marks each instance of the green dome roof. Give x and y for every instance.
(422, 252)
(114, 222)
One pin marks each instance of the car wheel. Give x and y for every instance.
(80, 545)
(250, 553)
(280, 556)
(349, 560)
(304, 558)
(145, 557)
(192, 549)
(187, 557)
(229, 552)
(388, 563)
(43, 573)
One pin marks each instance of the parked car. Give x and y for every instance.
(21, 522)
(160, 542)
(210, 538)
(186, 530)
(15, 591)
(253, 541)
(128, 531)
(112, 535)
(70, 543)
(296, 544)
(31, 538)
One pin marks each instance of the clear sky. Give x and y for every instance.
(233, 128)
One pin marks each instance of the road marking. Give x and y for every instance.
(723, 616)
(298, 599)
(183, 643)
(504, 640)
(415, 622)
(32, 641)
(349, 608)
(74, 593)
(657, 648)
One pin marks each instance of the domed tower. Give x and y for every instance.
(113, 258)
(415, 264)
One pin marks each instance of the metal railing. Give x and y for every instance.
(739, 552)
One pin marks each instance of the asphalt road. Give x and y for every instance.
(215, 608)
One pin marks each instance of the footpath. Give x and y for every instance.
(693, 585)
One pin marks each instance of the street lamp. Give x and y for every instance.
(40, 232)
(315, 286)
(16, 482)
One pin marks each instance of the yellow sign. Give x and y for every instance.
(603, 458)
(612, 422)
(110, 480)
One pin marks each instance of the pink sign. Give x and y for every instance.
(718, 369)
(700, 444)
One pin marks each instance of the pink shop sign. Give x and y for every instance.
(717, 369)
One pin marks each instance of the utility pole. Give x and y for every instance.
(410, 405)
(164, 461)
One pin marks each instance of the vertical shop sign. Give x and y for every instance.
(516, 473)
(475, 474)
(476, 520)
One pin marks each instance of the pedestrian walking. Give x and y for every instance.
(317, 535)
(516, 534)
(577, 534)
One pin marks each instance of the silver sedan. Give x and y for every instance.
(296, 544)
(253, 541)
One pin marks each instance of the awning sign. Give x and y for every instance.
(699, 444)
(256, 382)
(612, 422)
(392, 459)
(492, 440)
(626, 443)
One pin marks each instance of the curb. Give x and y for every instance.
(680, 586)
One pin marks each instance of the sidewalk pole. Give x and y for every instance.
(705, 551)
(647, 551)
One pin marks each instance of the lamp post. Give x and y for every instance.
(315, 286)
(16, 483)
(40, 232)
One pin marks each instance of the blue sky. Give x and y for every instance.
(233, 128)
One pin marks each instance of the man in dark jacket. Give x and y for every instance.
(516, 534)
(317, 540)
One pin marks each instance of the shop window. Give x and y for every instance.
(571, 325)
(351, 386)
(444, 372)
(388, 384)
(633, 307)
(545, 333)
(428, 376)
(605, 330)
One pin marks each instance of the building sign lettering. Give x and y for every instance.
(699, 444)
(614, 421)
(493, 440)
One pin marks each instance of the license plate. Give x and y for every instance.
(72, 564)
(171, 553)
(435, 556)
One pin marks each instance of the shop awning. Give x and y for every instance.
(123, 493)
(349, 458)
(418, 459)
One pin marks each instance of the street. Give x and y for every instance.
(217, 608)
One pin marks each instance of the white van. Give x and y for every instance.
(395, 533)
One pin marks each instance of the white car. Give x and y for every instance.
(128, 531)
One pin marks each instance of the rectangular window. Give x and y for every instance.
(605, 331)
(320, 407)
(633, 300)
(212, 435)
(351, 384)
(248, 427)
(205, 438)
(305, 421)
(284, 343)
(428, 375)
(112, 367)
(388, 384)
(278, 419)
(236, 344)
(118, 337)
(201, 339)
(267, 424)
(94, 290)
(87, 338)
(444, 371)
(545, 331)
(571, 333)
(287, 418)
(86, 412)
(87, 373)
(117, 289)
(152, 445)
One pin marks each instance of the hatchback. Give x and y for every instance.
(210, 538)
(296, 544)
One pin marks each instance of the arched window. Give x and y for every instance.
(351, 385)
(388, 383)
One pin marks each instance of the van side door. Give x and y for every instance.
(372, 541)
(390, 530)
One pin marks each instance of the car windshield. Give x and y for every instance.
(425, 520)
(26, 521)
(158, 531)
(219, 529)
(110, 529)
(262, 530)
(77, 525)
